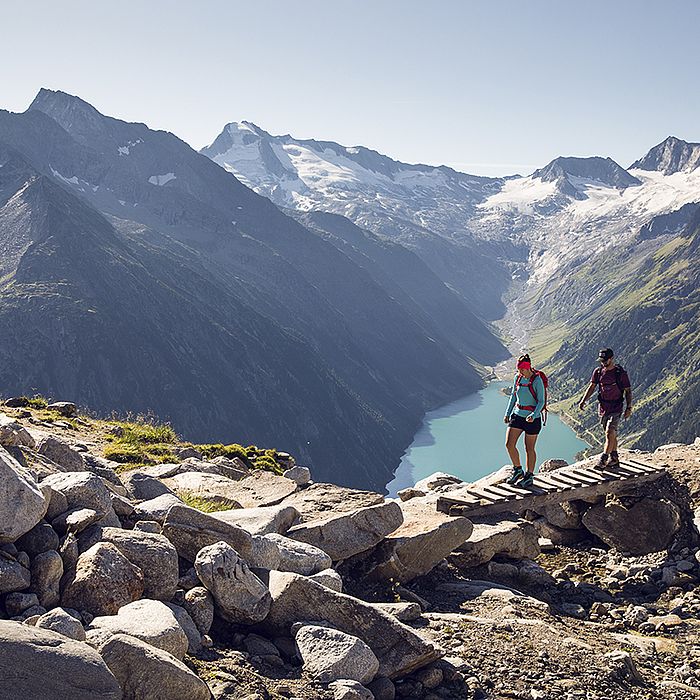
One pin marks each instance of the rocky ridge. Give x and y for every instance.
(290, 588)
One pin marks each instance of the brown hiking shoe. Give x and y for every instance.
(614, 461)
(603, 461)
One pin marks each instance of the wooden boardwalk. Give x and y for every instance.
(577, 481)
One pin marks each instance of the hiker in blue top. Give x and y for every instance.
(528, 401)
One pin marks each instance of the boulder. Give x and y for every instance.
(61, 621)
(151, 621)
(558, 535)
(154, 554)
(406, 612)
(550, 465)
(190, 530)
(299, 475)
(103, 582)
(22, 503)
(297, 598)
(329, 654)
(42, 664)
(265, 555)
(75, 520)
(261, 488)
(148, 526)
(14, 576)
(66, 408)
(199, 604)
(299, 557)
(209, 488)
(41, 538)
(261, 521)
(645, 527)
(61, 453)
(58, 503)
(329, 578)
(565, 515)
(143, 487)
(345, 534)
(194, 638)
(436, 481)
(17, 603)
(14, 434)
(156, 508)
(318, 501)
(515, 539)
(145, 672)
(346, 689)
(239, 595)
(425, 538)
(46, 572)
(82, 490)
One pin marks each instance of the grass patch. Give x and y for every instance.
(219, 450)
(204, 504)
(139, 443)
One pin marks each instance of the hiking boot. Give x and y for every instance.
(602, 462)
(518, 474)
(614, 460)
(527, 480)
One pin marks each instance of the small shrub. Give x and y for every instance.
(36, 401)
(203, 504)
(219, 450)
(123, 453)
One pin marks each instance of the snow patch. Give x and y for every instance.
(161, 180)
(124, 150)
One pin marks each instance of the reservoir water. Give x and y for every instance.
(466, 438)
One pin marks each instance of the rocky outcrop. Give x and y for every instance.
(296, 598)
(40, 663)
(425, 537)
(261, 521)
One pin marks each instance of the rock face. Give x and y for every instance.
(261, 521)
(104, 581)
(516, 539)
(261, 488)
(142, 486)
(329, 655)
(199, 604)
(190, 530)
(22, 504)
(14, 576)
(46, 572)
(153, 554)
(13, 434)
(38, 663)
(211, 488)
(425, 538)
(647, 526)
(319, 501)
(239, 595)
(345, 534)
(147, 673)
(297, 598)
(151, 621)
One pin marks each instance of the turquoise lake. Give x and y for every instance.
(466, 438)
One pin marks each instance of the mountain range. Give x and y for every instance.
(139, 275)
(596, 254)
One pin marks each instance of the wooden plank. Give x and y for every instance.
(514, 489)
(498, 490)
(584, 478)
(565, 479)
(629, 472)
(482, 493)
(547, 483)
(640, 465)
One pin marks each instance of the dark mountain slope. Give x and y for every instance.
(220, 252)
(670, 156)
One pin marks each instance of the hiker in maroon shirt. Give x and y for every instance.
(614, 388)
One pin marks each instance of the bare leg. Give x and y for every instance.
(512, 435)
(530, 441)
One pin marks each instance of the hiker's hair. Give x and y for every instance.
(525, 358)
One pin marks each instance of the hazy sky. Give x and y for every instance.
(486, 86)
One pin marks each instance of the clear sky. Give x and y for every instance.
(486, 86)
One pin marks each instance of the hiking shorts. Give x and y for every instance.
(521, 424)
(610, 421)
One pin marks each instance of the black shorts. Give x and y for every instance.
(521, 424)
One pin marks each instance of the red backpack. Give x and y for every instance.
(535, 373)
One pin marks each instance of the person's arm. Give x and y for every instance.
(538, 386)
(627, 393)
(595, 378)
(511, 403)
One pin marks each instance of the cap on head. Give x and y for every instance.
(605, 354)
